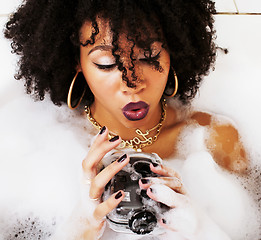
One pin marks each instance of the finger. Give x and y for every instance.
(107, 206)
(99, 148)
(164, 194)
(163, 170)
(99, 182)
(172, 182)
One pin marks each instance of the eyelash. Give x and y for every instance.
(150, 59)
(111, 66)
(105, 67)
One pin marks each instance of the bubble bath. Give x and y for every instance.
(40, 182)
(42, 147)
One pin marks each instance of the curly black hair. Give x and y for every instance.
(45, 33)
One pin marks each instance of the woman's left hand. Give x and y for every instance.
(170, 191)
(169, 178)
(183, 218)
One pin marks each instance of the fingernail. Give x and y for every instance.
(118, 195)
(114, 139)
(144, 194)
(102, 130)
(122, 158)
(164, 221)
(144, 180)
(155, 164)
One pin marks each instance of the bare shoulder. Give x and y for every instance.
(223, 140)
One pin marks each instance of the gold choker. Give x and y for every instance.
(140, 141)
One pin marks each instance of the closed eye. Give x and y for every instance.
(151, 59)
(105, 67)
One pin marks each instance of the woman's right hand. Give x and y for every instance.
(98, 181)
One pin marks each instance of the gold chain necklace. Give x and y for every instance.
(140, 141)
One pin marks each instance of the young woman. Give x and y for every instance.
(124, 61)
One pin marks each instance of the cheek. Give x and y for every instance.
(156, 79)
(102, 84)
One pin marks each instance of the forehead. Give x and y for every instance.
(105, 35)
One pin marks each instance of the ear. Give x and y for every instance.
(78, 68)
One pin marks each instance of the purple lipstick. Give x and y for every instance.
(135, 111)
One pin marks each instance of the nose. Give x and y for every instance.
(134, 87)
(130, 86)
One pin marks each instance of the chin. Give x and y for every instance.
(137, 123)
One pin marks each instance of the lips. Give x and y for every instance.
(135, 111)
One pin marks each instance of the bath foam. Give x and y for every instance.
(41, 149)
(41, 168)
(233, 90)
(221, 195)
(240, 195)
(42, 176)
(41, 164)
(250, 183)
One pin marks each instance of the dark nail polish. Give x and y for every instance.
(144, 194)
(122, 158)
(118, 195)
(145, 181)
(164, 221)
(102, 130)
(155, 164)
(114, 139)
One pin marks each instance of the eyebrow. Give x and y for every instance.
(101, 47)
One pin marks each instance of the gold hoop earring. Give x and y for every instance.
(69, 97)
(176, 85)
